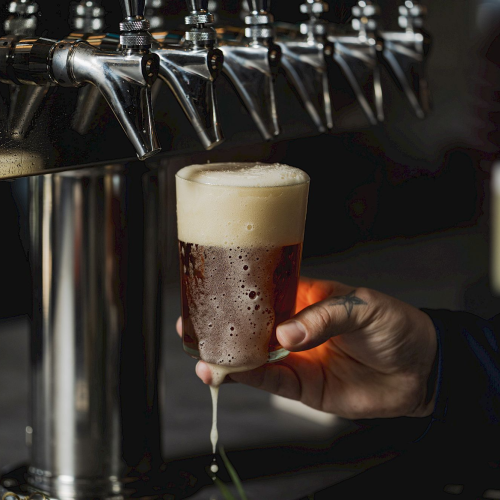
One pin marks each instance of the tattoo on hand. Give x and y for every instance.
(348, 301)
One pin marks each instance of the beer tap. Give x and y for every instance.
(87, 21)
(305, 63)
(357, 55)
(251, 65)
(24, 100)
(190, 69)
(124, 78)
(405, 53)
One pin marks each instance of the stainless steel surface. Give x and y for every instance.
(406, 54)
(124, 79)
(95, 335)
(190, 68)
(132, 9)
(25, 100)
(191, 72)
(251, 64)
(305, 59)
(358, 57)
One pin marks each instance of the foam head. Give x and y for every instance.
(246, 204)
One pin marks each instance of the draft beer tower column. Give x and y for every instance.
(94, 404)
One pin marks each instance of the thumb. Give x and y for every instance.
(332, 316)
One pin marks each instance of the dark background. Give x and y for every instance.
(403, 178)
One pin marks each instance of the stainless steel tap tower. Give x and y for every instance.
(100, 219)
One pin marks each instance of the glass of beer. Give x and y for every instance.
(241, 229)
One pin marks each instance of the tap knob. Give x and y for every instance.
(134, 28)
(258, 22)
(199, 34)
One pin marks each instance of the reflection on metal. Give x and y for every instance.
(124, 78)
(87, 18)
(305, 59)
(190, 68)
(95, 335)
(405, 53)
(358, 55)
(25, 101)
(251, 62)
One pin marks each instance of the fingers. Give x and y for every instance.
(346, 309)
(283, 378)
(178, 326)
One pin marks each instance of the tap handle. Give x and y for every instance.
(133, 8)
(259, 6)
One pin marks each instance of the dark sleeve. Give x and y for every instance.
(468, 389)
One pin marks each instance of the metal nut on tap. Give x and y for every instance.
(313, 7)
(23, 8)
(365, 9)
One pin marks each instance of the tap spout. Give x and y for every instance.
(190, 72)
(305, 61)
(405, 55)
(305, 66)
(358, 56)
(123, 78)
(252, 71)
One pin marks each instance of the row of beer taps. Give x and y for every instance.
(123, 68)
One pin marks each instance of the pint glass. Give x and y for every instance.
(240, 229)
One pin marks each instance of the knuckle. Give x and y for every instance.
(322, 319)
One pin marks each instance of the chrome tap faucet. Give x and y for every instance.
(124, 78)
(251, 64)
(305, 58)
(405, 53)
(190, 69)
(24, 100)
(88, 19)
(357, 55)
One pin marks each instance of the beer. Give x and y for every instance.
(240, 229)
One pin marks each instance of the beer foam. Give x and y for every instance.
(247, 204)
(244, 174)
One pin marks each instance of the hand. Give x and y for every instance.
(356, 353)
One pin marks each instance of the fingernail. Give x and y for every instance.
(292, 332)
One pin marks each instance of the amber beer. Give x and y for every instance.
(241, 228)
